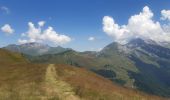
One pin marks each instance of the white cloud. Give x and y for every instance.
(5, 9)
(165, 14)
(36, 34)
(139, 26)
(22, 41)
(7, 29)
(41, 23)
(91, 38)
(166, 28)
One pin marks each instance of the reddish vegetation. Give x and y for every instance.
(89, 85)
(16, 71)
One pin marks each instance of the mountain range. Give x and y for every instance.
(35, 49)
(21, 79)
(140, 64)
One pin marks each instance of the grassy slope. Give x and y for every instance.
(140, 74)
(21, 80)
(90, 86)
(54, 85)
(9, 57)
(113, 63)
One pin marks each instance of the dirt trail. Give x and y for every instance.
(56, 87)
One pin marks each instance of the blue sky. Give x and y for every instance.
(78, 19)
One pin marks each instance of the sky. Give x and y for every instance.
(83, 24)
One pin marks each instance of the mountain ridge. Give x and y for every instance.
(20, 80)
(127, 64)
(35, 49)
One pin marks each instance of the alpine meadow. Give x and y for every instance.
(85, 50)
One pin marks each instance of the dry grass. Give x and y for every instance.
(28, 82)
(93, 87)
(54, 86)
(21, 80)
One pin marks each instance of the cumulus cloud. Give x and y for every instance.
(7, 29)
(91, 38)
(41, 23)
(5, 9)
(140, 25)
(36, 34)
(165, 15)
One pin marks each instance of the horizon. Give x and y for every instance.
(81, 25)
(85, 50)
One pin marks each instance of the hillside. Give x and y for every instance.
(7, 57)
(22, 80)
(140, 64)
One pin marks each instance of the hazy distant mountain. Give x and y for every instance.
(35, 49)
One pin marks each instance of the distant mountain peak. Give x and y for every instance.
(35, 44)
(138, 42)
(35, 48)
(113, 45)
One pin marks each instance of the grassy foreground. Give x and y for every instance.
(21, 80)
